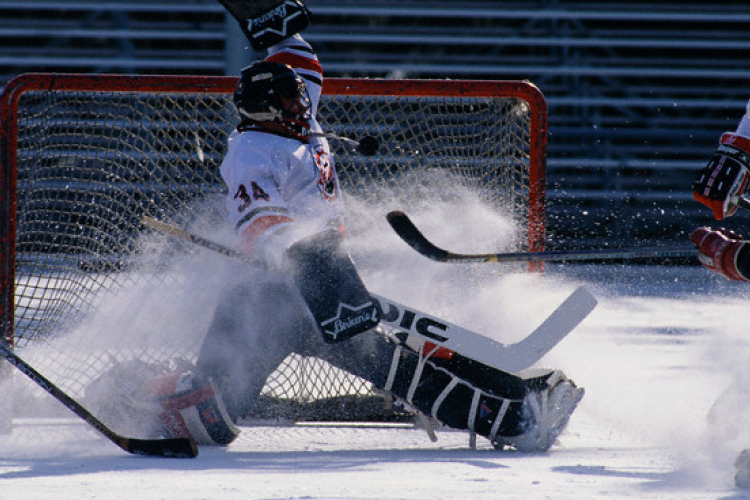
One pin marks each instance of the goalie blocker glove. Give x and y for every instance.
(268, 22)
(723, 252)
(720, 183)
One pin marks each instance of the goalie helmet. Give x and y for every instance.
(261, 93)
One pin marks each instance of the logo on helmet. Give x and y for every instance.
(261, 76)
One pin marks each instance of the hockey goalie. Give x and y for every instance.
(284, 201)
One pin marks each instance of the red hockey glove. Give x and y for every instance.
(719, 250)
(720, 184)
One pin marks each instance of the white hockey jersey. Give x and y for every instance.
(280, 189)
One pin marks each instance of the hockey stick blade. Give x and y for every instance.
(412, 236)
(174, 447)
(507, 357)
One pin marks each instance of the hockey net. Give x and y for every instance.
(85, 157)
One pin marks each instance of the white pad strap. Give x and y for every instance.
(418, 373)
(499, 419)
(473, 409)
(393, 370)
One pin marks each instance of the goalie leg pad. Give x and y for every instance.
(454, 401)
(191, 407)
(530, 422)
(742, 466)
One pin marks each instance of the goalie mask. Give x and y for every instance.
(269, 91)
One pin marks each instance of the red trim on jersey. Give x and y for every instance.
(737, 140)
(252, 233)
(296, 61)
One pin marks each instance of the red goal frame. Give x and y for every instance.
(12, 93)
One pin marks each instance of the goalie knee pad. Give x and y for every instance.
(191, 407)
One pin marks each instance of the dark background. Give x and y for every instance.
(638, 92)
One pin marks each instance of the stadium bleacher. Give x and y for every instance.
(638, 92)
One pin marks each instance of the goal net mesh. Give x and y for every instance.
(85, 158)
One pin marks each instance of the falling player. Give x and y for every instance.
(284, 201)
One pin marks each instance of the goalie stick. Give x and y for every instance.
(173, 447)
(407, 231)
(422, 328)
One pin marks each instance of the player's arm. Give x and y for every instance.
(275, 25)
(723, 252)
(721, 183)
(299, 54)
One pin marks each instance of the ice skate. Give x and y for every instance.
(550, 409)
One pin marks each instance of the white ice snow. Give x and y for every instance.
(664, 344)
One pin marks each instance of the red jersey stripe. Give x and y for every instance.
(296, 61)
(253, 232)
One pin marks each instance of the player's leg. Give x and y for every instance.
(253, 330)
(526, 412)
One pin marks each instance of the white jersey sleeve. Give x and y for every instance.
(744, 126)
(298, 54)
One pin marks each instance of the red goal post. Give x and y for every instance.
(84, 157)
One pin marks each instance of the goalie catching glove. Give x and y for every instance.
(723, 252)
(723, 181)
(268, 22)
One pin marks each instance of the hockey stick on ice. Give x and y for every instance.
(408, 232)
(175, 447)
(425, 328)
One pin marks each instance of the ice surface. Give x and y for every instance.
(663, 345)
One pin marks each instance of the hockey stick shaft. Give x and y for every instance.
(175, 447)
(506, 357)
(181, 234)
(408, 232)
